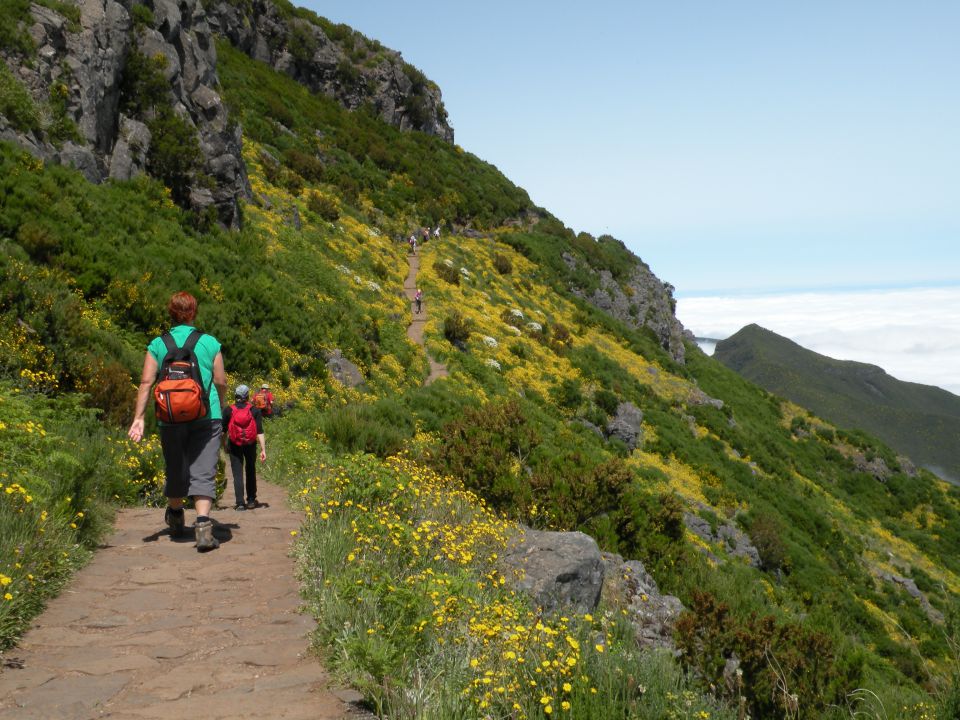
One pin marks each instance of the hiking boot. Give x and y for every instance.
(240, 507)
(174, 519)
(205, 539)
(252, 504)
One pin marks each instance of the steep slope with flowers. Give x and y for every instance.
(856, 591)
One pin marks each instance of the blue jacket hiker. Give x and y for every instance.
(184, 369)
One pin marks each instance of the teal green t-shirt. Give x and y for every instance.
(206, 350)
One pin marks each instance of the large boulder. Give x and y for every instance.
(627, 425)
(557, 569)
(344, 371)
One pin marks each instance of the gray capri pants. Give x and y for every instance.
(191, 452)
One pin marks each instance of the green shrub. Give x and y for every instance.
(15, 102)
(446, 272)
(304, 164)
(502, 264)
(324, 206)
(457, 328)
(786, 667)
(568, 394)
(606, 400)
(142, 17)
(486, 448)
(174, 156)
(14, 36)
(766, 535)
(301, 43)
(364, 428)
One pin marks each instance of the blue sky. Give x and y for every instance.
(739, 148)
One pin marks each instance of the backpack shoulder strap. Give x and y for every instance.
(169, 342)
(192, 339)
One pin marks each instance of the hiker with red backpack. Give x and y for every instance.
(183, 368)
(243, 424)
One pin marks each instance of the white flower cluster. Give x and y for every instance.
(514, 329)
(464, 272)
(448, 262)
(516, 313)
(490, 362)
(489, 341)
(534, 327)
(371, 285)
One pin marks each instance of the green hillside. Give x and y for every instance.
(413, 488)
(919, 421)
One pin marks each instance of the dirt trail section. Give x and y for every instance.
(154, 629)
(419, 320)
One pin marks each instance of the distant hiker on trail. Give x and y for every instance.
(243, 425)
(413, 244)
(418, 299)
(436, 231)
(263, 401)
(426, 234)
(187, 367)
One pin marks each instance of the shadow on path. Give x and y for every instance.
(153, 629)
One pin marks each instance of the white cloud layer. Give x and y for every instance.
(913, 334)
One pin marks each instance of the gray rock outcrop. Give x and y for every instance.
(557, 569)
(345, 372)
(913, 591)
(399, 93)
(627, 425)
(727, 535)
(653, 615)
(87, 64)
(643, 300)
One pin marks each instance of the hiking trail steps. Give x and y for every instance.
(153, 629)
(419, 321)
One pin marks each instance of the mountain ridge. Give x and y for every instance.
(864, 395)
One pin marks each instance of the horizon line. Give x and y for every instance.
(812, 289)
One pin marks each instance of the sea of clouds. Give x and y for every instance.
(913, 334)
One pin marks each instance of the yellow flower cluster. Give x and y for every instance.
(422, 541)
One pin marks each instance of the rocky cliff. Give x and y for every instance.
(65, 78)
(334, 60)
(639, 300)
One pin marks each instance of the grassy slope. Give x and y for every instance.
(920, 421)
(279, 297)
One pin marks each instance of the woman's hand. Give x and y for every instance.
(135, 432)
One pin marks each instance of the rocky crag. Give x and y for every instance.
(641, 300)
(76, 63)
(81, 65)
(336, 61)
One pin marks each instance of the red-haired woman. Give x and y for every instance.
(190, 449)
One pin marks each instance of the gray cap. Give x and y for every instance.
(242, 392)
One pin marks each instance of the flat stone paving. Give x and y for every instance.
(153, 629)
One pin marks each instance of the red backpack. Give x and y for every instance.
(242, 428)
(180, 396)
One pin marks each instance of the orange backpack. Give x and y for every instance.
(180, 397)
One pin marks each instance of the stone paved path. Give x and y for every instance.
(419, 321)
(154, 629)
